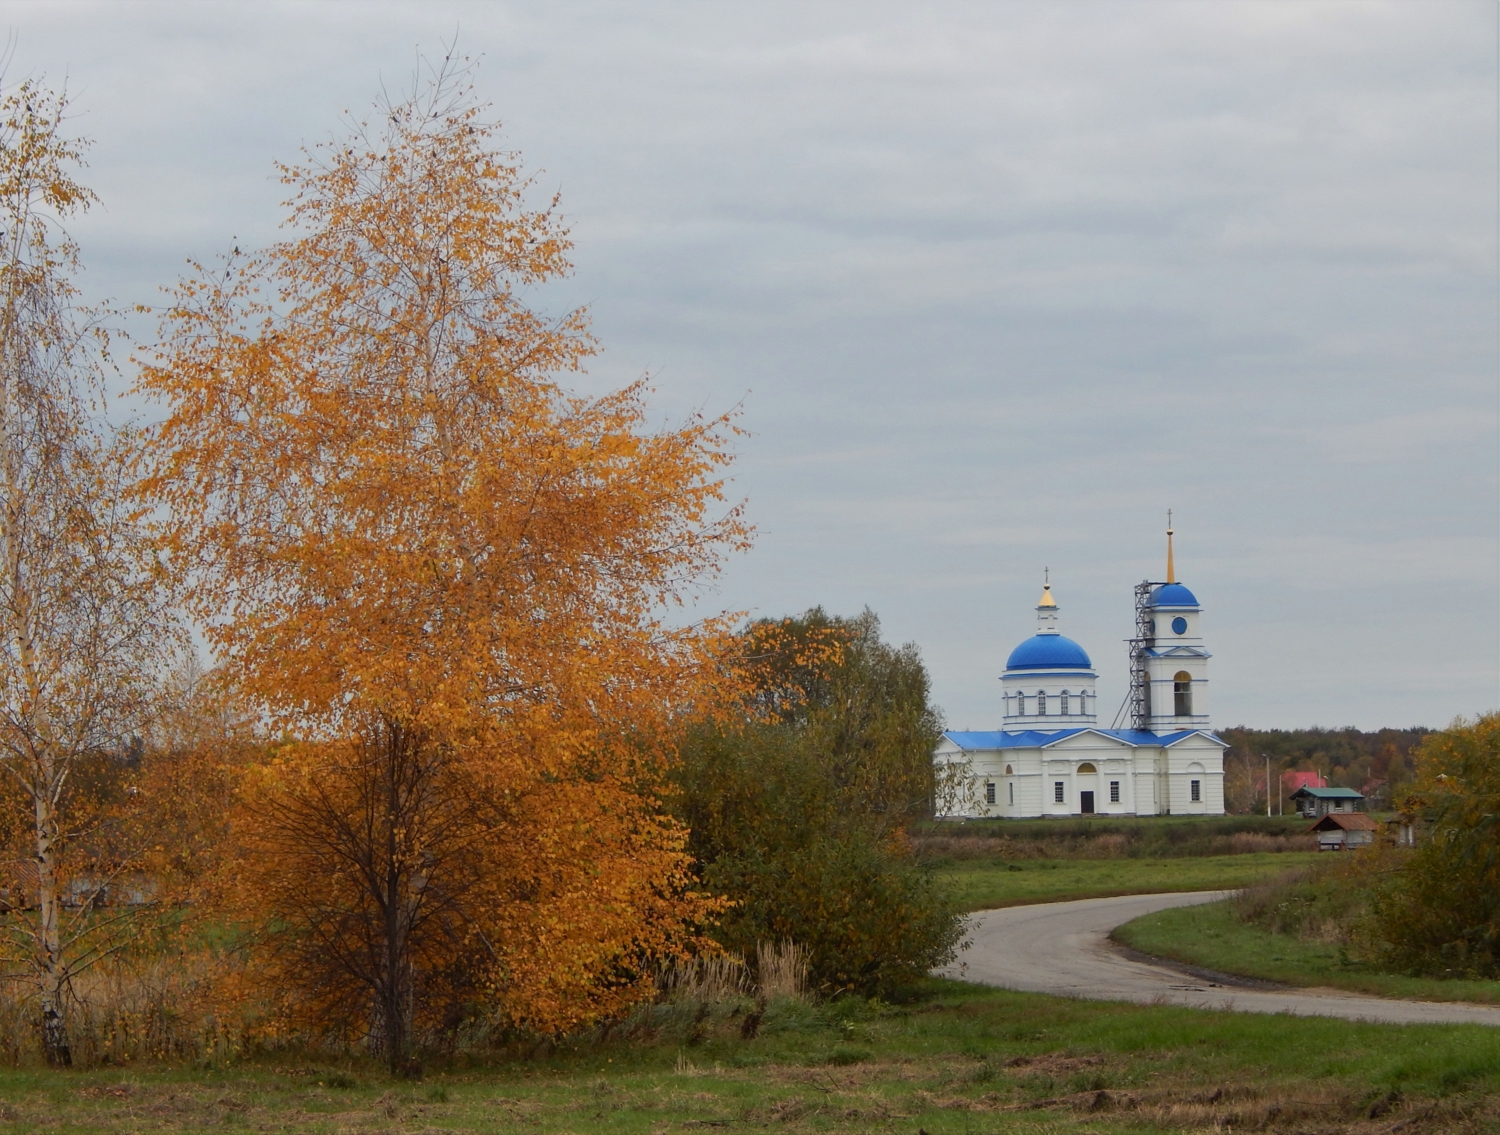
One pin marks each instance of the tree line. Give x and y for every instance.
(458, 758)
(1381, 763)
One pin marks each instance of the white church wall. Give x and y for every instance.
(1143, 789)
(1197, 758)
(1028, 794)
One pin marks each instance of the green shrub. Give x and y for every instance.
(798, 813)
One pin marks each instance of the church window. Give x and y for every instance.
(1114, 792)
(1057, 791)
(989, 792)
(1065, 703)
(1041, 703)
(1182, 693)
(1087, 768)
(1020, 704)
(1195, 790)
(1011, 791)
(1008, 770)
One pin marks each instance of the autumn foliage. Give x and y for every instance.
(444, 581)
(1439, 911)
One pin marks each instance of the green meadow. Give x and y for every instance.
(952, 1059)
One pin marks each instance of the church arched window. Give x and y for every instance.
(1041, 703)
(1182, 694)
(1065, 698)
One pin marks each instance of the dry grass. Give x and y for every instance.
(782, 968)
(119, 1011)
(720, 977)
(780, 971)
(1305, 1108)
(1110, 845)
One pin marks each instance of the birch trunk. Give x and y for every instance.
(40, 779)
(50, 964)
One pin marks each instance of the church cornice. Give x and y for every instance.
(1033, 675)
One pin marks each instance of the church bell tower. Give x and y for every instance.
(1171, 663)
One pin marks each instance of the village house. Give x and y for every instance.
(1323, 801)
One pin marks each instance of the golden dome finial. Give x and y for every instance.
(1047, 600)
(1171, 573)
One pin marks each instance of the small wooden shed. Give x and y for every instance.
(1402, 829)
(1338, 831)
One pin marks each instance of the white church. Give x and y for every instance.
(1050, 758)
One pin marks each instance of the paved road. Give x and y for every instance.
(1063, 948)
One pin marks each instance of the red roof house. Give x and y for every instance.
(1291, 781)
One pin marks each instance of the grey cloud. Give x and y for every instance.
(997, 283)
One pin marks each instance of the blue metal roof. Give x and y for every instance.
(1048, 652)
(1172, 595)
(998, 739)
(1036, 738)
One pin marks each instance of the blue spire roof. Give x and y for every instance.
(1172, 595)
(1048, 652)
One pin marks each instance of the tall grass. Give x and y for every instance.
(1327, 902)
(156, 1009)
(780, 971)
(722, 977)
(123, 1010)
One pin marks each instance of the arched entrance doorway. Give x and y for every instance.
(1086, 776)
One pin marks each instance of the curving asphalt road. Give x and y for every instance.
(1063, 948)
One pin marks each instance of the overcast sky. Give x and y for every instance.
(997, 285)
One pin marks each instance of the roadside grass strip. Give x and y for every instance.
(1211, 937)
(993, 884)
(954, 1059)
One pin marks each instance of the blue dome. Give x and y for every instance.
(1172, 595)
(1048, 652)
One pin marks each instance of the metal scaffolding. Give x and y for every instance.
(1145, 638)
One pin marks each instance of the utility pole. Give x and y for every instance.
(1268, 786)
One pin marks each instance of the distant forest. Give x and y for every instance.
(1378, 764)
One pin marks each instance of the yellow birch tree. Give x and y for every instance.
(446, 580)
(84, 613)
